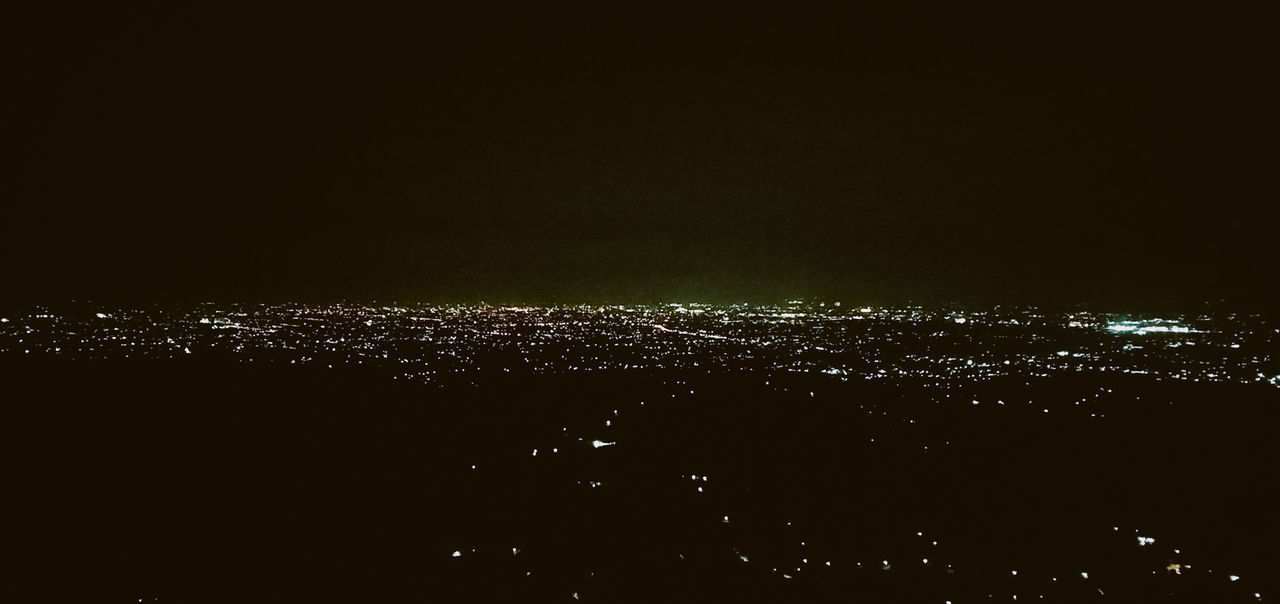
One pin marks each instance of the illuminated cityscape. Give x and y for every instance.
(609, 302)
(565, 405)
(933, 347)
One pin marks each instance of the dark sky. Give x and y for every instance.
(1022, 152)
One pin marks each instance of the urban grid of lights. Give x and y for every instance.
(429, 343)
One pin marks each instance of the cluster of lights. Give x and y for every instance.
(434, 343)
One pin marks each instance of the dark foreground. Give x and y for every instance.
(182, 481)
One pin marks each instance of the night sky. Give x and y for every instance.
(1031, 152)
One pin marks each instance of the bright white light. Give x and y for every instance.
(1234, 578)
(1151, 326)
(600, 443)
(457, 554)
(1145, 540)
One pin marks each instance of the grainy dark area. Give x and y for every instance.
(699, 301)
(735, 455)
(885, 152)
